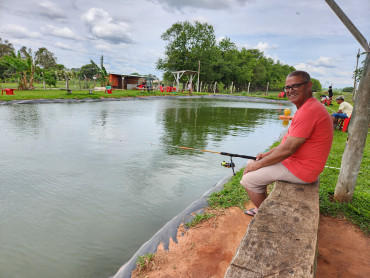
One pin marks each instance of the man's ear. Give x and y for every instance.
(310, 84)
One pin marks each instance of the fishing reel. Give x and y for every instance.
(227, 164)
(230, 164)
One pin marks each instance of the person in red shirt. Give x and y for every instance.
(302, 154)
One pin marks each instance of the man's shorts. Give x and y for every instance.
(340, 115)
(257, 181)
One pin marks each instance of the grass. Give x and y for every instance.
(144, 261)
(80, 94)
(198, 219)
(358, 210)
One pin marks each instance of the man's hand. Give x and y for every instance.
(251, 166)
(260, 156)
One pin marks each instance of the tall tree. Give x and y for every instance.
(45, 59)
(89, 70)
(187, 44)
(6, 48)
(102, 75)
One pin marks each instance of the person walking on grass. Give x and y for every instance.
(303, 151)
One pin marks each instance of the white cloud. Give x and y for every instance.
(201, 19)
(261, 46)
(325, 62)
(18, 31)
(50, 10)
(273, 57)
(205, 4)
(62, 45)
(102, 26)
(311, 68)
(62, 32)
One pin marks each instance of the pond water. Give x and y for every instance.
(82, 189)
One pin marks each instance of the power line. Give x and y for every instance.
(79, 51)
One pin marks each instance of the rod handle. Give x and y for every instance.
(239, 155)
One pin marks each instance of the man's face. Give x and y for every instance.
(299, 96)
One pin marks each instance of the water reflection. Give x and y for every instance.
(25, 119)
(197, 122)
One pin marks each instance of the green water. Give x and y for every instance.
(82, 188)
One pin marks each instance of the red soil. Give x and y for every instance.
(206, 250)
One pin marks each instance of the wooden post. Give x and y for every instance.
(43, 80)
(358, 128)
(267, 89)
(248, 87)
(201, 84)
(67, 84)
(232, 85)
(214, 87)
(198, 77)
(354, 83)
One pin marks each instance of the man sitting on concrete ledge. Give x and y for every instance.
(302, 154)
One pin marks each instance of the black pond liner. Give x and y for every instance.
(170, 229)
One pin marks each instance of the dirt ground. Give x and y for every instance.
(206, 250)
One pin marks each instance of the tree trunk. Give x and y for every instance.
(358, 128)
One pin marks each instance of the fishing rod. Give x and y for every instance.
(230, 164)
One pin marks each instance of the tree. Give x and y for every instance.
(102, 75)
(89, 70)
(187, 44)
(50, 78)
(6, 48)
(45, 59)
(316, 85)
(23, 66)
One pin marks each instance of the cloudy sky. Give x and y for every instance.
(305, 34)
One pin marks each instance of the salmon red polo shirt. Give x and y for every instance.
(311, 121)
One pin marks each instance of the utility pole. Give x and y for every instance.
(360, 118)
(354, 84)
(198, 76)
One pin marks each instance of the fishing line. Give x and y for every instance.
(230, 164)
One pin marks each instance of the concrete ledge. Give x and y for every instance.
(281, 240)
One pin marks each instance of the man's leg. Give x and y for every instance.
(256, 182)
(256, 198)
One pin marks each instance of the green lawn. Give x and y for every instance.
(79, 94)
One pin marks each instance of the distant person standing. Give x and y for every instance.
(344, 111)
(330, 92)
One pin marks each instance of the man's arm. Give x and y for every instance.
(276, 155)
